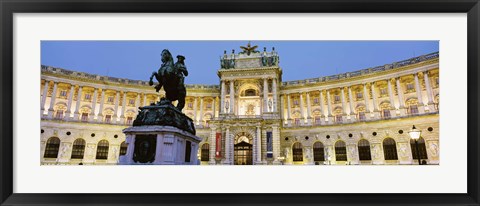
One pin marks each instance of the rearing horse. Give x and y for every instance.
(168, 77)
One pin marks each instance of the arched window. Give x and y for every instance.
(364, 150)
(318, 152)
(102, 150)
(250, 92)
(51, 150)
(205, 154)
(78, 149)
(385, 107)
(390, 149)
(361, 113)
(421, 147)
(338, 113)
(297, 152)
(340, 151)
(412, 105)
(123, 148)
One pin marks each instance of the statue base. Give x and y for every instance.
(164, 114)
(160, 145)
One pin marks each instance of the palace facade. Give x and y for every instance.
(253, 117)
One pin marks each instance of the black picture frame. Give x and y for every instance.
(10, 7)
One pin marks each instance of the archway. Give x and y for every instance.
(243, 149)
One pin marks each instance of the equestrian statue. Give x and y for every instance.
(170, 76)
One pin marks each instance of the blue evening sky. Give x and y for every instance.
(298, 59)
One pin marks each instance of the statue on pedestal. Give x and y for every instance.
(170, 77)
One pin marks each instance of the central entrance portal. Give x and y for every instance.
(243, 150)
(243, 154)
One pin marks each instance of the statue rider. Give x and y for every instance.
(181, 70)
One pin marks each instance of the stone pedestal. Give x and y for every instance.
(160, 145)
(161, 135)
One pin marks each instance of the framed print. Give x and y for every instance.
(199, 103)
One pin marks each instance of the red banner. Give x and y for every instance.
(218, 148)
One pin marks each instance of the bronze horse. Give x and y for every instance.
(170, 77)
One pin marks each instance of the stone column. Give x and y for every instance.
(214, 102)
(322, 108)
(282, 108)
(390, 94)
(276, 144)
(211, 158)
(144, 99)
(69, 103)
(76, 114)
(274, 89)
(195, 110)
(228, 146)
(232, 97)
(44, 97)
(352, 111)
(265, 95)
(431, 106)
(52, 100)
(309, 109)
(289, 118)
(100, 111)
(302, 112)
(117, 100)
(201, 111)
(124, 106)
(222, 98)
(421, 105)
(366, 97)
(376, 112)
(329, 104)
(401, 101)
(258, 142)
(344, 108)
(94, 104)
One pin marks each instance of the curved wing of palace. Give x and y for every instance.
(252, 117)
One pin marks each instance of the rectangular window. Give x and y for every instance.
(84, 117)
(129, 120)
(295, 102)
(337, 98)
(316, 100)
(361, 116)
(209, 106)
(338, 118)
(131, 102)
(317, 120)
(383, 91)
(110, 100)
(88, 96)
(359, 95)
(413, 109)
(59, 114)
(190, 105)
(410, 87)
(297, 121)
(63, 93)
(386, 113)
(108, 118)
